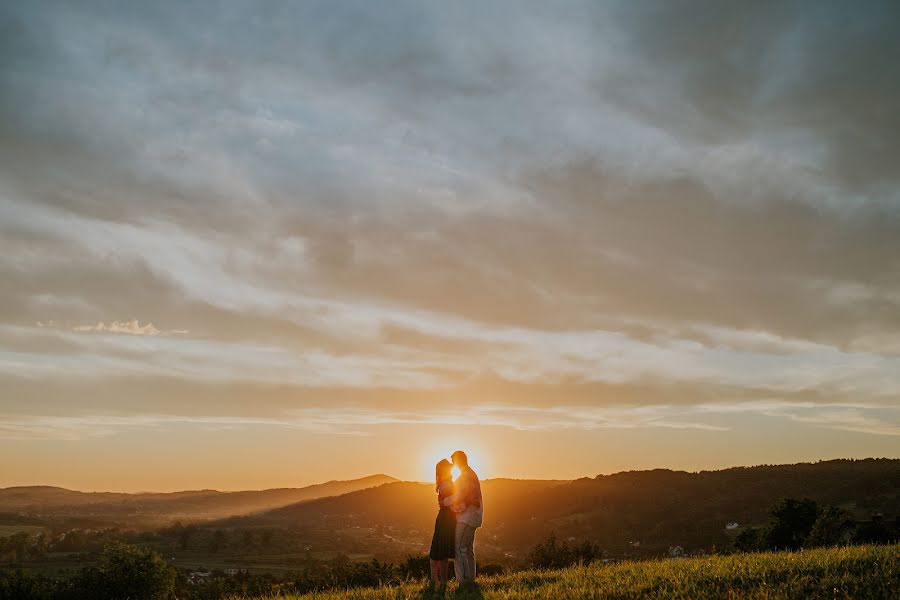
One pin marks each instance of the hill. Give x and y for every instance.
(862, 572)
(55, 503)
(631, 513)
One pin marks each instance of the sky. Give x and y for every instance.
(249, 245)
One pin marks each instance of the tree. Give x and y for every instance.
(792, 520)
(185, 534)
(750, 539)
(218, 541)
(19, 543)
(19, 585)
(41, 545)
(877, 531)
(417, 567)
(126, 571)
(267, 537)
(834, 526)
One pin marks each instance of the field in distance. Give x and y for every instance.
(860, 572)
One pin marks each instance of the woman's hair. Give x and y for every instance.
(442, 472)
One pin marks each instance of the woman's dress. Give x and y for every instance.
(443, 542)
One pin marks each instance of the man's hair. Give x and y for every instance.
(459, 457)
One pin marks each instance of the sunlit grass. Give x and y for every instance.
(862, 572)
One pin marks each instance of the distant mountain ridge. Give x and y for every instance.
(50, 501)
(628, 513)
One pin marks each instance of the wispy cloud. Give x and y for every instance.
(132, 327)
(461, 349)
(362, 421)
(351, 421)
(858, 417)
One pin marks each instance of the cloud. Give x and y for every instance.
(132, 327)
(861, 418)
(347, 196)
(352, 421)
(818, 75)
(458, 350)
(362, 421)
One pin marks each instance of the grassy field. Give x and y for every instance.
(862, 572)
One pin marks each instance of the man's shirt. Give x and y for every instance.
(468, 494)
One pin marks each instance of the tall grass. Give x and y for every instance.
(860, 572)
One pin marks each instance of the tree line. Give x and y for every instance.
(802, 523)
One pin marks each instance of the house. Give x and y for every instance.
(232, 572)
(732, 525)
(196, 577)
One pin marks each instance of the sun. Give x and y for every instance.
(434, 454)
(455, 471)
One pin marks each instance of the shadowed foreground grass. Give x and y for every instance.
(861, 572)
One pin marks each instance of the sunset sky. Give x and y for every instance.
(266, 244)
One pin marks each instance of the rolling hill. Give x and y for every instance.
(155, 508)
(636, 513)
(630, 513)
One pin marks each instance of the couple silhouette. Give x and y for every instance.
(460, 514)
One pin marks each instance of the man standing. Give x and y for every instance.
(468, 503)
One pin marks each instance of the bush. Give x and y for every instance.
(18, 585)
(751, 539)
(834, 526)
(125, 571)
(877, 531)
(491, 569)
(552, 554)
(415, 568)
(340, 573)
(792, 520)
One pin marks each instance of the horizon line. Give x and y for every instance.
(401, 480)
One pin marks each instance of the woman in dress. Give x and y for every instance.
(442, 543)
